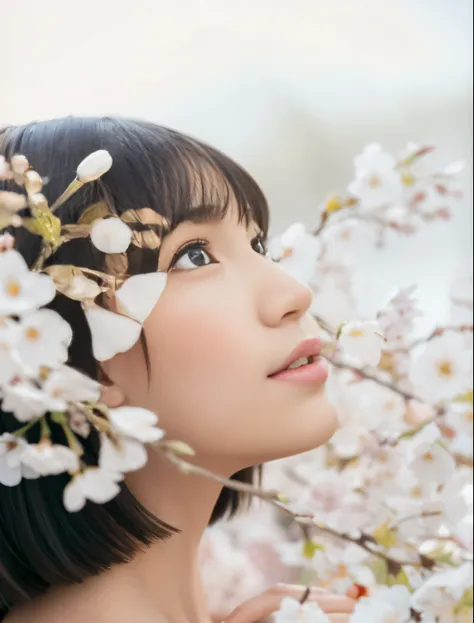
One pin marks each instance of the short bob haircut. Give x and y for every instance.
(41, 544)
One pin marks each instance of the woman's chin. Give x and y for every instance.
(311, 431)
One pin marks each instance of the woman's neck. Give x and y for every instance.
(162, 583)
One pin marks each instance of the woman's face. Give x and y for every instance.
(229, 317)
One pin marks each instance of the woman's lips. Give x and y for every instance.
(315, 373)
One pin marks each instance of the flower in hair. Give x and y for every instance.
(94, 484)
(36, 386)
(22, 291)
(113, 333)
(43, 339)
(11, 451)
(94, 166)
(111, 235)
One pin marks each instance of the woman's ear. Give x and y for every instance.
(112, 396)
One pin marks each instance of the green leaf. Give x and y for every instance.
(310, 548)
(385, 536)
(379, 568)
(400, 579)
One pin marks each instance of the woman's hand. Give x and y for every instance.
(337, 608)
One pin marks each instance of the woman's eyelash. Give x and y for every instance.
(192, 244)
(202, 244)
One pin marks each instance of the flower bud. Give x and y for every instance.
(19, 164)
(33, 182)
(94, 166)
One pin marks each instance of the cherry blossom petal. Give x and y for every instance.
(136, 423)
(111, 333)
(139, 295)
(111, 235)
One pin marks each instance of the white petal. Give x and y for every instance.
(139, 295)
(94, 166)
(128, 456)
(9, 476)
(136, 423)
(111, 235)
(43, 339)
(100, 486)
(111, 333)
(12, 263)
(73, 498)
(71, 385)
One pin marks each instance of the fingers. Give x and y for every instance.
(334, 604)
(269, 602)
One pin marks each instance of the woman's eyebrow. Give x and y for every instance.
(204, 213)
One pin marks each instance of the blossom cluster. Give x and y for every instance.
(37, 388)
(384, 512)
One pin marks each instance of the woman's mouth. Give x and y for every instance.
(312, 370)
(304, 365)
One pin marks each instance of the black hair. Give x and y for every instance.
(41, 544)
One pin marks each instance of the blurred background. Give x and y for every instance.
(293, 90)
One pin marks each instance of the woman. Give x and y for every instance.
(229, 320)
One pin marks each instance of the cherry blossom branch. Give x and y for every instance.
(277, 499)
(438, 332)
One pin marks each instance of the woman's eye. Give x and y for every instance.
(191, 257)
(259, 246)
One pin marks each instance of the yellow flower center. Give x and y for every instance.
(13, 288)
(429, 457)
(375, 181)
(32, 334)
(445, 368)
(356, 333)
(333, 205)
(408, 179)
(288, 252)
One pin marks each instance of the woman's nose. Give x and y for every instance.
(282, 298)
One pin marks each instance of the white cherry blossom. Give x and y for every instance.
(68, 385)
(22, 291)
(432, 463)
(442, 368)
(387, 606)
(111, 235)
(377, 182)
(296, 251)
(26, 401)
(49, 459)
(94, 484)
(291, 611)
(43, 339)
(442, 592)
(363, 340)
(135, 423)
